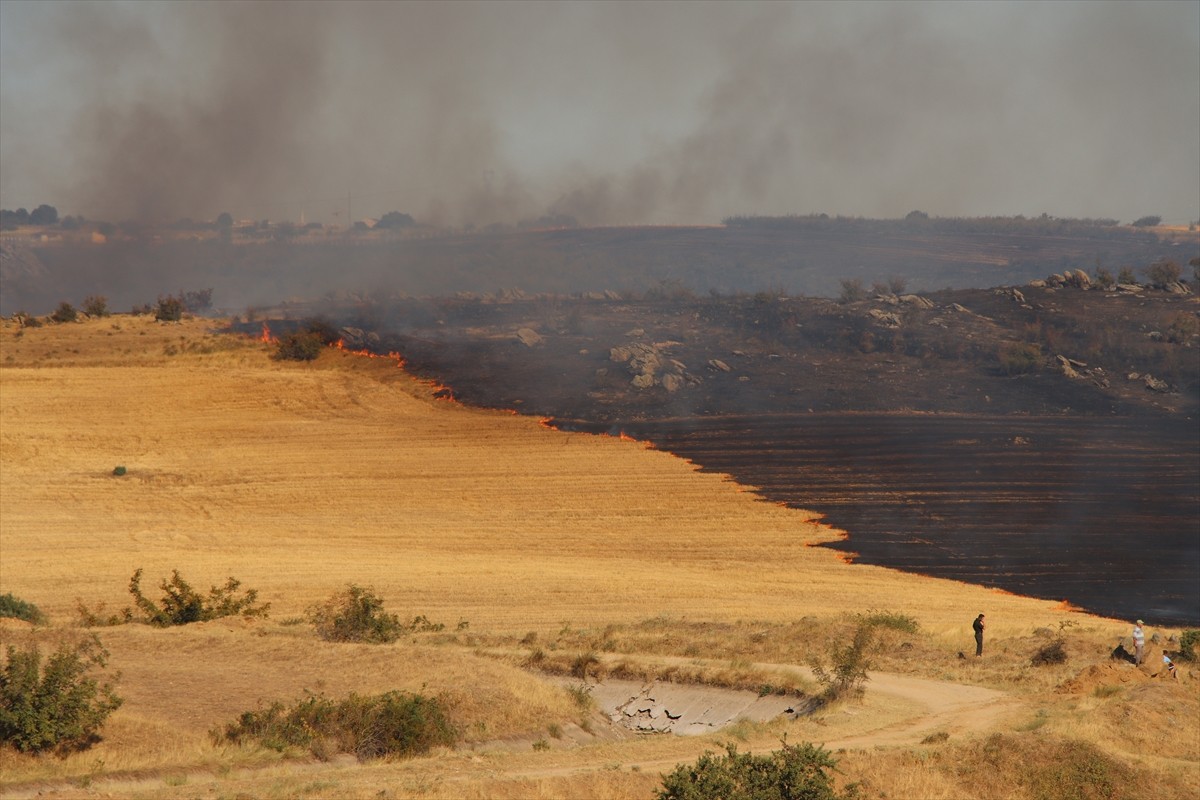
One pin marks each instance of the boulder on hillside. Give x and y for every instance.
(885, 317)
(528, 337)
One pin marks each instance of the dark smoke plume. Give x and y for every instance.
(473, 113)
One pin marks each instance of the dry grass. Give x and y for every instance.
(301, 478)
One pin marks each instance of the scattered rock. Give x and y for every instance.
(916, 300)
(718, 364)
(528, 337)
(1154, 384)
(885, 317)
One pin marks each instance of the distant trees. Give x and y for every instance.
(395, 219)
(1150, 221)
(42, 215)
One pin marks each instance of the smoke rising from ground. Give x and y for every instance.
(465, 113)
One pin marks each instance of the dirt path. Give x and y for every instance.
(926, 707)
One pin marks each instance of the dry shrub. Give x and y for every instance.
(1051, 653)
(1041, 768)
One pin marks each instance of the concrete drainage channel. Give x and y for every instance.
(688, 709)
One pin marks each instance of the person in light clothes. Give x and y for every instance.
(1139, 642)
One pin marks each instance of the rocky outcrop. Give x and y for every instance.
(1151, 383)
(651, 365)
(885, 318)
(358, 339)
(916, 300)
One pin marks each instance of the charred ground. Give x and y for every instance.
(1037, 439)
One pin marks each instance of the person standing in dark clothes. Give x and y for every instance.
(978, 626)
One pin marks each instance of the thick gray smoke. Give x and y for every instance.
(473, 113)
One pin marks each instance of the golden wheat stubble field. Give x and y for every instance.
(298, 479)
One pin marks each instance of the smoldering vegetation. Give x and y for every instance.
(800, 255)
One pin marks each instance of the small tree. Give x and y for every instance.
(1104, 278)
(95, 305)
(170, 309)
(847, 674)
(60, 707)
(1126, 276)
(1163, 273)
(65, 313)
(1149, 221)
(355, 615)
(197, 300)
(852, 290)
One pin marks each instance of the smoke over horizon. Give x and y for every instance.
(465, 113)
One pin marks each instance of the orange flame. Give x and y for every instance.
(1066, 605)
(439, 391)
(266, 336)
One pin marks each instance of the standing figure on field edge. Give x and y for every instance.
(978, 626)
(1139, 642)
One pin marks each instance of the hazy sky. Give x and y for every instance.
(613, 112)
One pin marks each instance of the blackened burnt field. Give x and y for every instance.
(1041, 441)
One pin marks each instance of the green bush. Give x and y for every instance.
(1187, 645)
(15, 608)
(59, 707)
(390, 724)
(355, 615)
(793, 773)
(299, 346)
(65, 313)
(181, 604)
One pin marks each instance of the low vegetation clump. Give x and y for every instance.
(1051, 653)
(356, 615)
(14, 607)
(95, 305)
(58, 707)
(169, 309)
(892, 620)
(370, 727)
(1020, 358)
(1187, 645)
(792, 773)
(180, 604)
(1050, 769)
(299, 346)
(65, 313)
